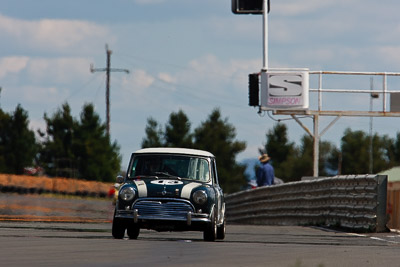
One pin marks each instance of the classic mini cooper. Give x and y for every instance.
(170, 189)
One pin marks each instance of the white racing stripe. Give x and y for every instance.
(142, 188)
(187, 190)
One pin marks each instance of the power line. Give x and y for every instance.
(81, 88)
(108, 69)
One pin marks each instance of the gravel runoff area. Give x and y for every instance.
(54, 208)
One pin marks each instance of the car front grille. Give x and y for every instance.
(163, 208)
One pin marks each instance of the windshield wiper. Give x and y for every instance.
(168, 175)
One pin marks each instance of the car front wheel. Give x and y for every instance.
(210, 233)
(133, 231)
(221, 231)
(118, 228)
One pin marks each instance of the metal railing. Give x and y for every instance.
(384, 91)
(355, 202)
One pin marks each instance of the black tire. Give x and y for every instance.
(221, 231)
(210, 233)
(118, 228)
(133, 231)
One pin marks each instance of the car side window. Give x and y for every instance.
(214, 171)
(133, 169)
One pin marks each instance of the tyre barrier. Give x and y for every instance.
(354, 202)
(23, 184)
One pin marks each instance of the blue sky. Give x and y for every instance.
(189, 55)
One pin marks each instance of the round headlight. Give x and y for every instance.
(200, 197)
(127, 193)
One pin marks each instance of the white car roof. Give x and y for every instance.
(174, 150)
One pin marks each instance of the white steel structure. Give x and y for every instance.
(383, 110)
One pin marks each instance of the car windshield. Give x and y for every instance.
(169, 166)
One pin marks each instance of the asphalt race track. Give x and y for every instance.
(47, 231)
(88, 244)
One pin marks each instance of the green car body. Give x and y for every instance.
(170, 189)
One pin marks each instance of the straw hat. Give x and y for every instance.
(263, 158)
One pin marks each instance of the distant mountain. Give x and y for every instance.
(250, 167)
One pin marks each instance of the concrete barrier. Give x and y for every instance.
(354, 202)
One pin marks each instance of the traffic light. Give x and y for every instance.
(253, 90)
(248, 6)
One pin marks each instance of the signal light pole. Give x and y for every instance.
(256, 7)
(108, 69)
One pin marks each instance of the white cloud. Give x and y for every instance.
(202, 85)
(138, 81)
(37, 94)
(52, 34)
(209, 72)
(45, 70)
(10, 65)
(167, 78)
(57, 70)
(207, 64)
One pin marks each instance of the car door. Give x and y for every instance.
(218, 192)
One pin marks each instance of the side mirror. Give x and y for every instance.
(120, 179)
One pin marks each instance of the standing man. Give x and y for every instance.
(265, 173)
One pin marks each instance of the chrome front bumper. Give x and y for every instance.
(189, 218)
(162, 209)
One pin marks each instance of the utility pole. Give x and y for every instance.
(108, 69)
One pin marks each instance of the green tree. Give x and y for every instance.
(217, 135)
(303, 163)
(327, 155)
(298, 163)
(395, 150)
(4, 136)
(383, 156)
(18, 145)
(177, 131)
(81, 149)
(56, 154)
(97, 158)
(355, 152)
(154, 134)
(304, 166)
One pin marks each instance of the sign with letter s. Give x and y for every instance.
(285, 90)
